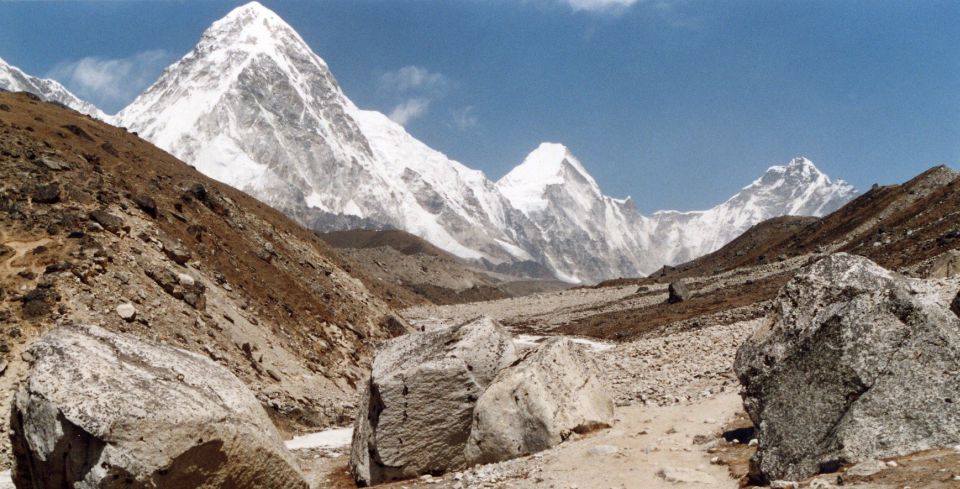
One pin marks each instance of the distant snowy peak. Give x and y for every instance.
(798, 188)
(551, 164)
(581, 234)
(15, 80)
(252, 106)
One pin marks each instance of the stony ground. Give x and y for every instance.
(676, 393)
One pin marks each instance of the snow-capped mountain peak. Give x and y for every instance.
(550, 164)
(798, 188)
(15, 80)
(250, 97)
(255, 29)
(253, 106)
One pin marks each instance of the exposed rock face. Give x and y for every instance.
(539, 402)
(678, 292)
(416, 412)
(102, 410)
(858, 363)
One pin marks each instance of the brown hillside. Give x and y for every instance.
(92, 217)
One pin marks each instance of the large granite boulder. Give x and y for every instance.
(415, 412)
(552, 392)
(103, 410)
(857, 363)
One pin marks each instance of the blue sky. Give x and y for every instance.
(676, 103)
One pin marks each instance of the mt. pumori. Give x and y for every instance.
(254, 107)
(251, 105)
(15, 80)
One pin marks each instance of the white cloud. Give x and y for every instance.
(111, 83)
(414, 89)
(409, 110)
(600, 5)
(464, 118)
(413, 79)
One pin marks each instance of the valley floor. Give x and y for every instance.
(676, 397)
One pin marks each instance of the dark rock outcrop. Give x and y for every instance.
(678, 292)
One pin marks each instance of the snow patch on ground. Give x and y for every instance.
(327, 439)
(529, 340)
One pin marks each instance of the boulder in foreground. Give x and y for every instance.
(552, 392)
(857, 363)
(416, 410)
(103, 410)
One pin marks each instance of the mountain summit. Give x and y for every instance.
(798, 189)
(585, 234)
(254, 107)
(549, 164)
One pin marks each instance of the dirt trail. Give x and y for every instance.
(649, 443)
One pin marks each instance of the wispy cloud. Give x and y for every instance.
(416, 88)
(409, 110)
(464, 118)
(110, 83)
(600, 5)
(413, 78)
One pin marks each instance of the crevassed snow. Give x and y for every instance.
(327, 439)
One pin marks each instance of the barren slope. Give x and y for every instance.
(92, 217)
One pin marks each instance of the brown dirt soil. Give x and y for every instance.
(425, 273)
